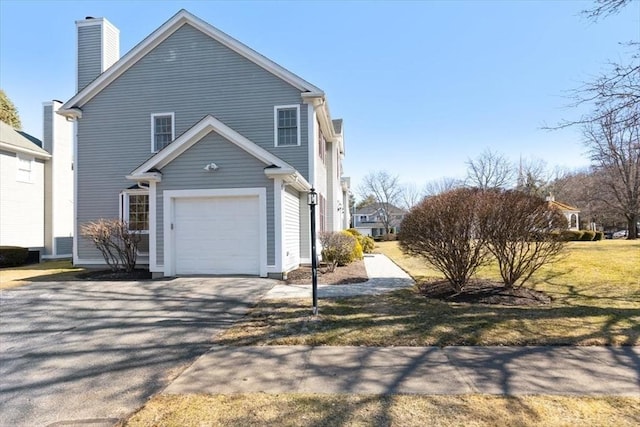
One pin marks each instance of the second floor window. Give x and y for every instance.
(287, 127)
(24, 168)
(162, 130)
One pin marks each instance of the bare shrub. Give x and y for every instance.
(518, 229)
(339, 248)
(443, 230)
(112, 237)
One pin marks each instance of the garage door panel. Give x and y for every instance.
(217, 235)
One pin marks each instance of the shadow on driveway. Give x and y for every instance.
(95, 351)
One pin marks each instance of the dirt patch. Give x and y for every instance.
(109, 275)
(352, 273)
(484, 292)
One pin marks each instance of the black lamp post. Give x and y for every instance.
(312, 199)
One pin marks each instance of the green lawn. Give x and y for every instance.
(596, 301)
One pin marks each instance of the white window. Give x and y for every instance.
(135, 209)
(162, 130)
(287, 125)
(25, 164)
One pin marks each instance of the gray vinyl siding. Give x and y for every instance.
(237, 169)
(47, 144)
(89, 54)
(192, 76)
(64, 245)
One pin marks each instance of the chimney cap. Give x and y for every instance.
(89, 17)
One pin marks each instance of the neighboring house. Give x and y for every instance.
(369, 220)
(570, 212)
(36, 187)
(204, 146)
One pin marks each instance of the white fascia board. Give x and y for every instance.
(163, 32)
(195, 134)
(289, 176)
(15, 149)
(321, 108)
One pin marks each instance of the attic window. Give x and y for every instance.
(287, 129)
(162, 130)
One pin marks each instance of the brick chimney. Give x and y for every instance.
(98, 49)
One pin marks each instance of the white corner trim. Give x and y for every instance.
(278, 189)
(153, 128)
(163, 32)
(153, 232)
(311, 143)
(275, 124)
(195, 134)
(169, 199)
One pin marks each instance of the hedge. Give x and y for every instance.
(13, 256)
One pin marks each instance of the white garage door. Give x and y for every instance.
(217, 235)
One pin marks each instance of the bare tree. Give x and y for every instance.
(386, 190)
(443, 230)
(490, 170)
(117, 244)
(518, 230)
(533, 177)
(614, 146)
(409, 196)
(604, 8)
(442, 185)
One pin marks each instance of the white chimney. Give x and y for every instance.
(98, 49)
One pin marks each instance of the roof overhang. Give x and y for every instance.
(290, 177)
(14, 148)
(319, 102)
(146, 177)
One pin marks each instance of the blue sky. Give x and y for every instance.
(422, 86)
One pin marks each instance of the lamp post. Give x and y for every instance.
(312, 199)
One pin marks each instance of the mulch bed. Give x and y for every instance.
(351, 273)
(109, 275)
(484, 292)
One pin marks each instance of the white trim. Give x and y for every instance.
(311, 137)
(124, 206)
(153, 128)
(76, 230)
(56, 256)
(195, 134)
(169, 198)
(163, 32)
(153, 232)
(275, 124)
(15, 149)
(278, 221)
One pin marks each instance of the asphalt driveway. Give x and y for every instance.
(89, 353)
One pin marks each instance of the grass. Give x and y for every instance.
(596, 301)
(399, 410)
(48, 270)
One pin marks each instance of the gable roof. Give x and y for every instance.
(275, 165)
(563, 206)
(375, 207)
(73, 106)
(17, 141)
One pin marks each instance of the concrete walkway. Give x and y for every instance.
(384, 276)
(586, 371)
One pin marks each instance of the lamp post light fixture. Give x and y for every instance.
(312, 199)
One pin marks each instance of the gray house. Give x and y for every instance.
(370, 220)
(206, 147)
